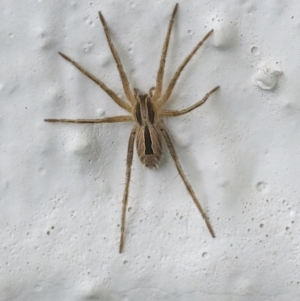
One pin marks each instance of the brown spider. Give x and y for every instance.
(146, 111)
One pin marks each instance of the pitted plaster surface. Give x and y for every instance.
(62, 184)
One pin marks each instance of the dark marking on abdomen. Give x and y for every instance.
(148, 142)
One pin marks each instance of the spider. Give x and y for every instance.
(146, 112)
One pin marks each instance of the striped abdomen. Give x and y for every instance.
(148, 142)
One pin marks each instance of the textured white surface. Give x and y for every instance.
(61, 185)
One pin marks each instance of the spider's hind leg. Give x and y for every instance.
(126, 191)
(183, 177)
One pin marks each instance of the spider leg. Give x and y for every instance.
(161, 69)
(173, 113)
(151, 92)
(183, 177)
(122, 73)
(111, 93)
(172, 83)
(102, 120)
(126, 191)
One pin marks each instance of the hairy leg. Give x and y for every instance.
(161, 69)
(111, 93)
(173, 81)
(122, 73)
(126, 191)
(183, 177)
(173, 113)
(102, 120)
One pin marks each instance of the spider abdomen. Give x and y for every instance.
(148, 144)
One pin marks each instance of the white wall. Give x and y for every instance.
(62, 184)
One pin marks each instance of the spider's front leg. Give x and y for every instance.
(161, 68)
(173, 81)
(123, 76)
